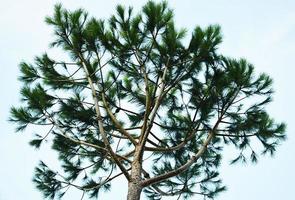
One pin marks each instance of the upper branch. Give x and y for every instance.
(99, 120)
(144, 135)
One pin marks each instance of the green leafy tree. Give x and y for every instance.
(134, 96)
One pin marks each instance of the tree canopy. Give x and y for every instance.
(135, 96)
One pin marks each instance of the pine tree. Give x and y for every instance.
(136, 97)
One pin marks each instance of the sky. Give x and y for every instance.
(262, 31)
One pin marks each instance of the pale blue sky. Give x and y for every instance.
(261, 31)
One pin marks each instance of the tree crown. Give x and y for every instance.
(132, 90)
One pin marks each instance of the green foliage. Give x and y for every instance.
(45, 180)
(138, 71)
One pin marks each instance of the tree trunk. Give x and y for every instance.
(134, 191)
(134, 185)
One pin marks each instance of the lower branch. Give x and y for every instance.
(181, 169)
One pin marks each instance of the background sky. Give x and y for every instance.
(262, 31)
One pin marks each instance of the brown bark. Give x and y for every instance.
(134, 191)
(134, 185)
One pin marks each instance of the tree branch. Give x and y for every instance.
(181, 169)
(99, 120)
(144, 135)
(115, 121)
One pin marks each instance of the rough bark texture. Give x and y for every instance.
(134, 185)
(134, 191)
